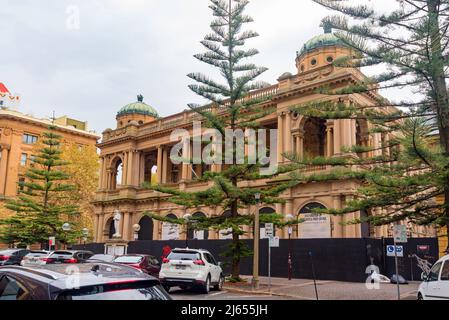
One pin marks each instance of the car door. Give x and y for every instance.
(444, 281)
(433, 291)
(215, 273)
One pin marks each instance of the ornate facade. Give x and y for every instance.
(138, 151)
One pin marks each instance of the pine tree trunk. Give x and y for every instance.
(441, 94)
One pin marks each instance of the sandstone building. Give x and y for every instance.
(138, 149)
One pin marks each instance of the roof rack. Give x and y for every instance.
(35, 271)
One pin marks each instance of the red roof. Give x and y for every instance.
(3, 88)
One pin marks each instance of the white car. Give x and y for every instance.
(191, 268)
(435, 285)
(35, 258)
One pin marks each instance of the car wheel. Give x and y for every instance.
(420, 297)
(206, 287)
(219, 285)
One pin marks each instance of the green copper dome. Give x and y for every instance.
(138, 107)
(322, 40)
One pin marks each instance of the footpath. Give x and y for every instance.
(304, 289)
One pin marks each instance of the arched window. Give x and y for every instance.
(170, 231)
(198, 234)
(117, 173)
(225, 233)
(314, 225)
(146, 228)
(314, 137)
(266, 210)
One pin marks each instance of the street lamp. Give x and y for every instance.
(289, 217)
(66, 228)
(255, 279)
(136, 229)
(85, 234)
(187, 218)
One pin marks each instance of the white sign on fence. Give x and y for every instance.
(399, 251)
(274, 242)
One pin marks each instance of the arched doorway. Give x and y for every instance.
(314, 144)
(198, 234)
(110, 227)
(225, 233)
(170, 231)
(146, 228)
(315, 226)
(266, 210)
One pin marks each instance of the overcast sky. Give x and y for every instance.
(125, 47)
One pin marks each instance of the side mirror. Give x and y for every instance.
(220, 264)
(424, 276)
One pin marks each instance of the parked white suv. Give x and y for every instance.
(435, 285)
(191, 268)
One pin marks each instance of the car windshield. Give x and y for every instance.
(125, 291)
(128, 259)
(184, 255)
(102, 257)
(37, 254)
(7, 252)
(61, 254)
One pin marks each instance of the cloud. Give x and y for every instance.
(126, 47)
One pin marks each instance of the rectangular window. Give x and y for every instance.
(445, 271)
(29, 139)
(23, 159)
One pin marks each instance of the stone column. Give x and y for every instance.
(159, 164)
(157, 226)
(186, 170)
(104, 174)
(164, 165)
(338, 231)
(100, 228)
(288, 132)
(329, 142)
(337, 137)
(96, 227)
(129, 167)
(126, 227)
(3, 169)
(280, 144)
(100, 178)
(141, 165)
(108, 179)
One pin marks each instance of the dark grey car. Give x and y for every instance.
(84, 281)
(12, 256)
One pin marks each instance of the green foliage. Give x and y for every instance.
(41, 207)
(230, 110)
(402, 176)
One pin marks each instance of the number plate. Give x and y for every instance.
(179, 267)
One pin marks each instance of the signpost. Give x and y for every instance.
(399, 236)
(269, 231)
(51, 243)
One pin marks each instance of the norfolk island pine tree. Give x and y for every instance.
(229, 110)
(411, 169)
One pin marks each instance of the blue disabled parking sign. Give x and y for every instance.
(399, 251)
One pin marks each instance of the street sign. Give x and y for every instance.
(274, 242)
(400, 233)
(51, 241)
(269, 229)
(399, 251)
